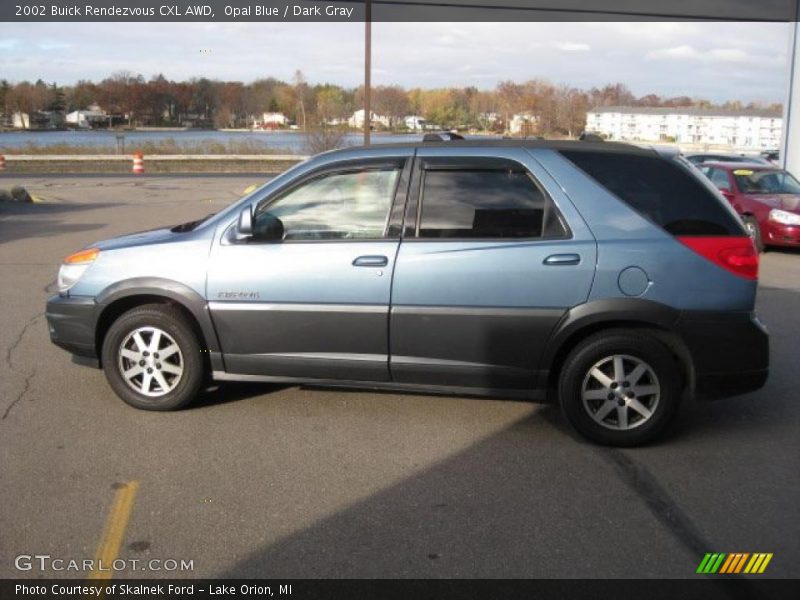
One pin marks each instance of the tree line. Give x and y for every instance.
(132, 100)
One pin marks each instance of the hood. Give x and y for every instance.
(788, 202)
(151, 236)
(154, 236)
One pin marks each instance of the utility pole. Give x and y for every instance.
(367, 69)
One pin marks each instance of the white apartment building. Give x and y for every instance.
(744, 129)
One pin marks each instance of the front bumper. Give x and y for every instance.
(72, 323)
(729, 350)
(776, 234)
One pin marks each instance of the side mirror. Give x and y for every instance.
(244, 227)
(726, 192)
(266, 227)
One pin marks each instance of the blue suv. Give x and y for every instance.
(604, 275)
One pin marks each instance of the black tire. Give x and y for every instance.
(169, 321)
(754, 231)
(635, 346)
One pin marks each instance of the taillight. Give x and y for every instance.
(736, 254)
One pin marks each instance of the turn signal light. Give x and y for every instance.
(84, 256)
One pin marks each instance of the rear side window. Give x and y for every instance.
(476, 203)
(661, 191)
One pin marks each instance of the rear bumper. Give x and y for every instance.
(729, 350)
(72, 322)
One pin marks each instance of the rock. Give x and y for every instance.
(20, 194)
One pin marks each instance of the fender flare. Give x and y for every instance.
(612, 310)
(166, 288)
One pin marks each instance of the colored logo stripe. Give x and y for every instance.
(734, 562)
(758, 563)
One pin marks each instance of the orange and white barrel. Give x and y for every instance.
(138, 163)
(2, 163)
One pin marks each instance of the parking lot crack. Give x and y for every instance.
(9, 363)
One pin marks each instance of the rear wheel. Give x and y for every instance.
(620, 388)
(754, 231)
(151, 358)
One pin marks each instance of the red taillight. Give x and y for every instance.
(736, 254)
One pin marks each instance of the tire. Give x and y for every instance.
(600, 407)
(754, 231)
(173, 379)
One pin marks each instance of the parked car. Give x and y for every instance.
(599, 274)
(767, 198)
(704, 157)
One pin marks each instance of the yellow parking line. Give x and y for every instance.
(114, 531)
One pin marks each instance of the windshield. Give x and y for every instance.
(766, 182)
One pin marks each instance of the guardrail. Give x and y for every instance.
(153, 157)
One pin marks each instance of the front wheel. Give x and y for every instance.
(754, 231)
(152, 358)
(620, 388)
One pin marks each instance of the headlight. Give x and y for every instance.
(784, 217)
(74, 267)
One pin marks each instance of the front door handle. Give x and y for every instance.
(371, 261)
(560, 260)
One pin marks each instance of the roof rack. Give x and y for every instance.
(442, 136)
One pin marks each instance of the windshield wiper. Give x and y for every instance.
(191, 225)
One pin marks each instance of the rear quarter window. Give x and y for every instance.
(660, 190)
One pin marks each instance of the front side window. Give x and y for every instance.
(464, 203)
(342, 205)
(720, 179)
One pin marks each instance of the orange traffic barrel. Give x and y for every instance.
(2, 163)
(138, 163)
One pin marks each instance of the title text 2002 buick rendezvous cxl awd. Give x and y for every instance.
(602, 274)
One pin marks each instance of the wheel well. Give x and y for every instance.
(670, 339)
(114, 310)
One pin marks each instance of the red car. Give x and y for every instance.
(767, 198)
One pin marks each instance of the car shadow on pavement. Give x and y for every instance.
(23, 221)
(507, 506)
(526, 502)
(232, 391)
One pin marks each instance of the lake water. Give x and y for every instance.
(281, 141)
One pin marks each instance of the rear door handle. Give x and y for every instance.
(559, 260)
(371, 261)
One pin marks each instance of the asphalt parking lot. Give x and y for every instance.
(265, 481)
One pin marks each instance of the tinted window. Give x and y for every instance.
(350, 205)
(719, 178)
(465, 203)
(660, 190)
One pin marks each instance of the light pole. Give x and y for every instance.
(790, 136)
(367, 69)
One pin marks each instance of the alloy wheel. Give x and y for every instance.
(620, 392)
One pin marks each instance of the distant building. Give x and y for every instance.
(415, 123)
(40, 119)
(524, 123)
(21, 120)
(746, 128)
(357, 120)
(86, 118)
(271, 120)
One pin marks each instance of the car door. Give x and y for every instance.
(493, 254)
(315, 304)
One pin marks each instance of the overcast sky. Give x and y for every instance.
(718, 61)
